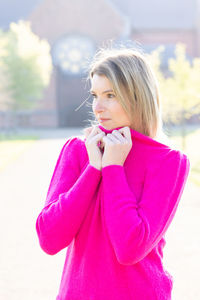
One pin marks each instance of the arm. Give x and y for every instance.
(135, 228)
(68, 199)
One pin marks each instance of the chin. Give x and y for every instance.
(108, 127)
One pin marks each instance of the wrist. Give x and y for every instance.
(112, 164)
(96, 167)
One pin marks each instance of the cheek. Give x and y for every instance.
(118, 110)
(122, 115)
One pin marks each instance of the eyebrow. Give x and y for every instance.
(103, 92)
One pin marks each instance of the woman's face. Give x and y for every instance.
(105, 104)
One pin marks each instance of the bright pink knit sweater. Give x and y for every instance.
(113, 221)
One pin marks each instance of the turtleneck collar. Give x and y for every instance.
(138, 136)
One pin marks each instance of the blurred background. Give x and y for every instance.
(45, 49)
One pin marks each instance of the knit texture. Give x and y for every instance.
(113, 222)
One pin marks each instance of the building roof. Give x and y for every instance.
(143, 14)
(14, 10)
(156, 14)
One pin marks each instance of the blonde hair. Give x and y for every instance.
(134, 84)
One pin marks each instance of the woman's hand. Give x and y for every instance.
(117, 147)
(94, 137)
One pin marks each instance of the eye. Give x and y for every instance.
(111, 95)
(93, 95)
(108, 96)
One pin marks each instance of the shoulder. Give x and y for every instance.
(182, 161)
(169, 160)
(73, 145)
(176, 155)
(74, 149)
(170, 170)
(174, 162)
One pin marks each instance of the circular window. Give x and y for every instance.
(73, 53)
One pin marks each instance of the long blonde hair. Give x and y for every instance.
(134, 84)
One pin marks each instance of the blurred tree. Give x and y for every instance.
(180, 92)
(26, 66)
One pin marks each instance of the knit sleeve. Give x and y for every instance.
(68, 199)
(135, 227)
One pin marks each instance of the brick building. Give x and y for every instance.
(74, 39)
(75, 29)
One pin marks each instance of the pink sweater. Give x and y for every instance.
(113, 221)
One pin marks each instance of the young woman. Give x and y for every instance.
(114, 192)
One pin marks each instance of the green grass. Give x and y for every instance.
(16, 137)
(12, 146)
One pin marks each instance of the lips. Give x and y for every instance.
(101, 120)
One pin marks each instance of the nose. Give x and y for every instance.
(98, 106)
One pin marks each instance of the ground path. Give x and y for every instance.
(27, 273)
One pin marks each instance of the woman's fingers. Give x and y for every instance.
(91, 131)
(116, 137)
(92, 143)
(87, 131)
(97, 137)
(126, 133)
(94, 135)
